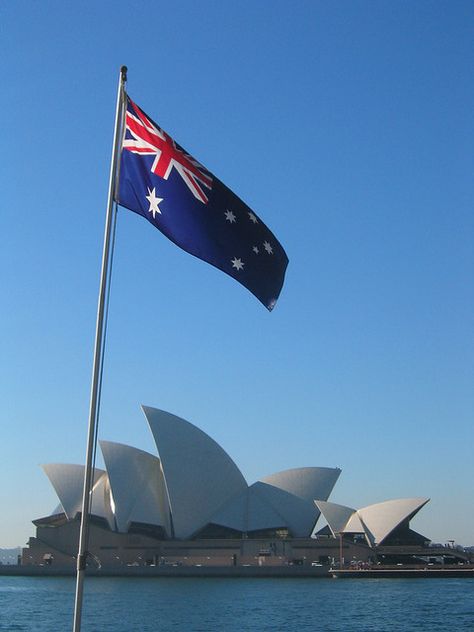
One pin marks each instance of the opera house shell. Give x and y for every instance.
(193, 489)
(192, 493)
(380, 523)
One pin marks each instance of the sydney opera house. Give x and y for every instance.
(191, 505)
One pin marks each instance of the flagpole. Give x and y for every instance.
(98, 353)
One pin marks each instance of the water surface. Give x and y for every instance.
(238, 605)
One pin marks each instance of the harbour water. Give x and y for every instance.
(32, 604)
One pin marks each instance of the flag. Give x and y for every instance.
(159, 180)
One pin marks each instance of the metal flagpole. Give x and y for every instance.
(98, 352)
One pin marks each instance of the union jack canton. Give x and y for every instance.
(162, 182)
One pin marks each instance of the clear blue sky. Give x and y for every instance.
(348, 127)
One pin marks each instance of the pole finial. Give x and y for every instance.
(123, 72)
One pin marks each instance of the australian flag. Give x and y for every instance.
(161, 181)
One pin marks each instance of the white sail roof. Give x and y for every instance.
(354, 524)
(262, 514)
(337, 516)
(291, 493)
(382, 518)
(200, 476)
(137, 485)
(375, 521)
(68, 480)
(305, 482)
(248, 512)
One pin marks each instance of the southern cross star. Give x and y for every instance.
(267, 247)
(253, 217)
(256, 250)
(154, 201)
(230, 217)
(237, 263)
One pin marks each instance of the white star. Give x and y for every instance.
(237, 263)
(253, 218)
(267, 247)
(256, 250)
(230, 217)
(154, 201)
